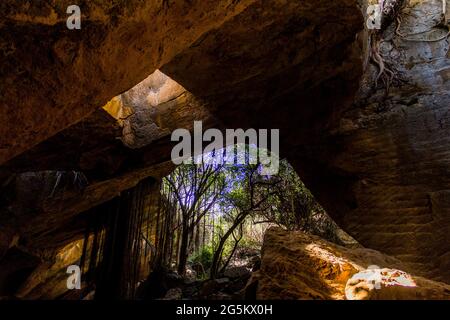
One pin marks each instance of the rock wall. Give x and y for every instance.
(383, 168)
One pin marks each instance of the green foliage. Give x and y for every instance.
(231, 198)
(250, 243)
(204, 257)
(295, 208)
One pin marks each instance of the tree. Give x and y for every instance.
(225, 196)
(247, 195)
(293, 207)
(196, 189)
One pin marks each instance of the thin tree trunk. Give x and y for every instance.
(225, 265)
(219, 250)
(197, 238)
(183, 248)
(204, 231)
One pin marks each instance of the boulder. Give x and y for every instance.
(392, 284)
(208, 288)
(295, 265)
(222, 281)
(236, 272)
(212, 286)
(173, 294)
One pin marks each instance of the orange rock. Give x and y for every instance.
(299, 266)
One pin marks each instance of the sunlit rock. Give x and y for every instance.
(295, 265)
(364, 285)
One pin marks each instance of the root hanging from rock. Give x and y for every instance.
(385, 73)
(390, 12)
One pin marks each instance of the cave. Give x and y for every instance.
(86, 140)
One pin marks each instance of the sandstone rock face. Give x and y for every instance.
(270, 75)
(229, 68)
(46, 213)
(49, 279)
(156, 107)
(132, 131)
(52, 77)
(382, 169)
(299, 266)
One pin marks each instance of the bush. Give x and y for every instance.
(204, 257)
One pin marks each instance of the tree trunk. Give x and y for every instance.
(223, 240)
(197, 238)
(178, 238)
(183, 248)
(236, 243)
(204, 232)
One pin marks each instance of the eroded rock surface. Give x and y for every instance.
(299, 266)
(382, 170)
(52, 77)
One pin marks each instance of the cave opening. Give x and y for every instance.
(198, 232)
